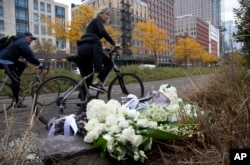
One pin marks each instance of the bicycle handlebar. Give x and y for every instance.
(39, 71)
(42, 69)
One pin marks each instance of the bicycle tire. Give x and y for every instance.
(132, 84)
(6, 101)
(48, 103)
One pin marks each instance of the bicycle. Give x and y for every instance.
(69, 96)
(6, 100)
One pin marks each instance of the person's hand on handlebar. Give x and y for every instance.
(40, 66)
(117, 46)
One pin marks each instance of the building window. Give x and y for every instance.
(36, 29)
(35, 17)
(22, 27)
(43, 30)
(42, 17)
(49, 8)
(1, 10)
(22, 3)
(60, 12)
(22, 15)
(42, 6)
(1, 25)
(43, 40)
(61, 44)
(50, 41)
(35, 4)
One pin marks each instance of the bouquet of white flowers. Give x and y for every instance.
(121, 131)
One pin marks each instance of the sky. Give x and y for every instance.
(228, 8)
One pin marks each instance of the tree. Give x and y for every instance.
(187, 49)
(210, 58)
(243, 25)
(113, 32)
(152, 37)
(44, 48)
(71, 31)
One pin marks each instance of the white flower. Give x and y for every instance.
(94, 102)
(137, 140)
(111, 120)
(99, 111)
(128, 133)
(114, 129)
(172, 118)
(30, 157)
(124, 124)
(114, 103)
(132, 114)
(110, 142)
(91, 136)
(123, 110)
(143, 123)
(152, 124)
(136, 156)
(92, 124)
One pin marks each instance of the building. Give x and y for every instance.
(214, 40)
(25, 15)
(208, 10)
(125, 15)
(230, 42)
(162, 13)
(193, 27)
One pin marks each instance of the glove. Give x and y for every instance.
(40, 66)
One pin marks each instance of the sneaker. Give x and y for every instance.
(20, 105)
(97, 87)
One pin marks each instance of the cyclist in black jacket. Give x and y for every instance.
(91, 52)
(18, 48)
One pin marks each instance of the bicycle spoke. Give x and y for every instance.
(57, 96)
(127, 83)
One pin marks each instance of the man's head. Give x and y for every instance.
(29, 37)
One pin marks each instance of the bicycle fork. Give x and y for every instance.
(122, 85)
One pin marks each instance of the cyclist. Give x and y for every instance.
(18, 48)
(91, 52)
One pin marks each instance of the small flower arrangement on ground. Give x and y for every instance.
(121, 132)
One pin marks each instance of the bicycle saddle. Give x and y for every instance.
(73, 58)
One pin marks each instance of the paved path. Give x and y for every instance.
(19, 118)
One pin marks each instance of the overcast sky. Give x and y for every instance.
(229, 5)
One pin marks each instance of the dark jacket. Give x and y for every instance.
(19, 48)
(96, 26)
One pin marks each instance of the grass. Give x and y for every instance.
(225, 101)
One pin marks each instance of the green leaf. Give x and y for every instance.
(146, 141)
(101, 144)
(157, 134)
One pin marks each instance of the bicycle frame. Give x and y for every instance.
(117, 71)
(82, 84)
(33, 83)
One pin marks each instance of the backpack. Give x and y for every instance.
(7, 40)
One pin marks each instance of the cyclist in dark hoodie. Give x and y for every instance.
(91, 52)
(19, 48)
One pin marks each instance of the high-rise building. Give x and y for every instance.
(26, 15)
(208, 10)
(162, 13)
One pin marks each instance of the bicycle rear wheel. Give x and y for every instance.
(50, 100)
(5, 97)
(124, 84)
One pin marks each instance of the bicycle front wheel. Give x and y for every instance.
(5, 97)
(124, 84)
(57, 97)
